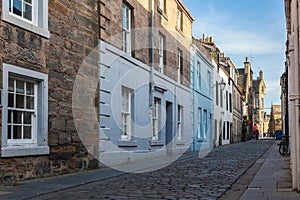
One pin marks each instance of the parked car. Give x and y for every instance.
(278, 134)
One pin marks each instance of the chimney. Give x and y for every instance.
(261, 76)
(221, 55)
(247, 60)
(211, 40)
(204, 36)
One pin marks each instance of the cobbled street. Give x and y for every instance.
(191, 178)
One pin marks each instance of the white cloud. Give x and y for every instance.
(237, 36)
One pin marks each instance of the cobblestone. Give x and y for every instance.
(191, 178)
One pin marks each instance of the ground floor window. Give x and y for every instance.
(126, 113)
(155, 119)
(179, 122)
(25, 112)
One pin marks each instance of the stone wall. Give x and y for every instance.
(111, 31)
(73, 34)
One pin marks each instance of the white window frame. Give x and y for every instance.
(126, 30)
(161, 45)
(155, 119)
(204, 123)
(199, 123)
(209, 82)
(162, 5)
(198, 75)
(179, 20)
(179, 57)
(126, 114)
(39, 22)
(179, 122)
(39, 143)
(34, 114)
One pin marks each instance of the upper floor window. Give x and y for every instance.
(126, 29)
(161, 51)
(31, 15)
(230, 102)
(179, 65)
(227, 100)
(180, 20)
(217, 93)
(25, 112)
(162, 5)
(209, 82)
(198, 75)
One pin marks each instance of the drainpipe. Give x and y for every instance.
(151, 94)
(99, 19)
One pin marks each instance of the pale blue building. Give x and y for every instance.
(201, 97)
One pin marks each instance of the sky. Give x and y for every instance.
(253, 28)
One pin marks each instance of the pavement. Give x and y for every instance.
(249, 170)
(273, 181)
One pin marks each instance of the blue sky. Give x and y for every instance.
(253, 28)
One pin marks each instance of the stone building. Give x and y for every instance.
(284, 103)
(292, 65)
(41, 49)
(259, 93)
(275, 122)
(245, 80)
(144, 80)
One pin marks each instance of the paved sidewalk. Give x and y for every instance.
(273, 180)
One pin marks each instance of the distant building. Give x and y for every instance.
(275, 119)
(245, 80)
(266, 121)
(259, 93)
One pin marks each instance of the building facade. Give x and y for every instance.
(144, 80)
(245, 80)
(259, 90)
(275, 122)
(42, 47)
(202, 71)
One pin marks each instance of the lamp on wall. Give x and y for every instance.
(222, 84)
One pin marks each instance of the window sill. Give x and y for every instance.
(180, 31)
(157, 143)
(160, 11)
(15, 151)
(23, 24)
(128, 143)
(180, 142)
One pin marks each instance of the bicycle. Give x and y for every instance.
(284, 146)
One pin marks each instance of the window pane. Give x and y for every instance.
(17, 134)
(17, 117)
(9, 116)
(27, 132)
(11, 100)
(20, 86)
(17, 7)
(27, 117)
(30, 102)
(28, 1)
(20, 101)
(29, 88)
(27, 12)
(11, 85)
(8, 132)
